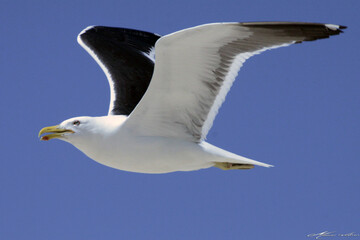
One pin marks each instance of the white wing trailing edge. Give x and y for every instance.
(127, 58)
(195, 68)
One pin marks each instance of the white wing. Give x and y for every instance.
(195, 68)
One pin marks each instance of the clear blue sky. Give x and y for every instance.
(296, 108)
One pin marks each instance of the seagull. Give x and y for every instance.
(165, 92)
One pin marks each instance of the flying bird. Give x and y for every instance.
(166, 91)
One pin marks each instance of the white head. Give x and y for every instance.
(83, 130)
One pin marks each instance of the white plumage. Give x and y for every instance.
(194, 70)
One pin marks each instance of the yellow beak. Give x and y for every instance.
(55, 131)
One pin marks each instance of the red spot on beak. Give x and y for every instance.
(45, 138)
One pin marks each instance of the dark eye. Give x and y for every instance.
(76, 123)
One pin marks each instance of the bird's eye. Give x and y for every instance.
(76, 123)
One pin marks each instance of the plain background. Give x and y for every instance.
(296, 108)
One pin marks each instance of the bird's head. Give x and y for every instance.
(88, 134)
(82, 128)
(69, 129)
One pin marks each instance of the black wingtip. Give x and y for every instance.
(335, 29)
(87, 29)
(341, 27)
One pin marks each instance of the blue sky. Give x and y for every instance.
(296, 108)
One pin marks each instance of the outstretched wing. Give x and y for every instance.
(196, 67)
(127, 58)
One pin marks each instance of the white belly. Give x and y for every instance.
(151, 155)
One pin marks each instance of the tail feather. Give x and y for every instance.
(228, 157)
(244, 160)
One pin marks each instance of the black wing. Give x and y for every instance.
(125, 55)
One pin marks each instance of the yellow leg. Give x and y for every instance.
(232, 166)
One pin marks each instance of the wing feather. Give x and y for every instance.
(126, 57)
(195, 68)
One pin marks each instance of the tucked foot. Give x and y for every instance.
(232, 166)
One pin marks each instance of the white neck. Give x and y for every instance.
(103, 128)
